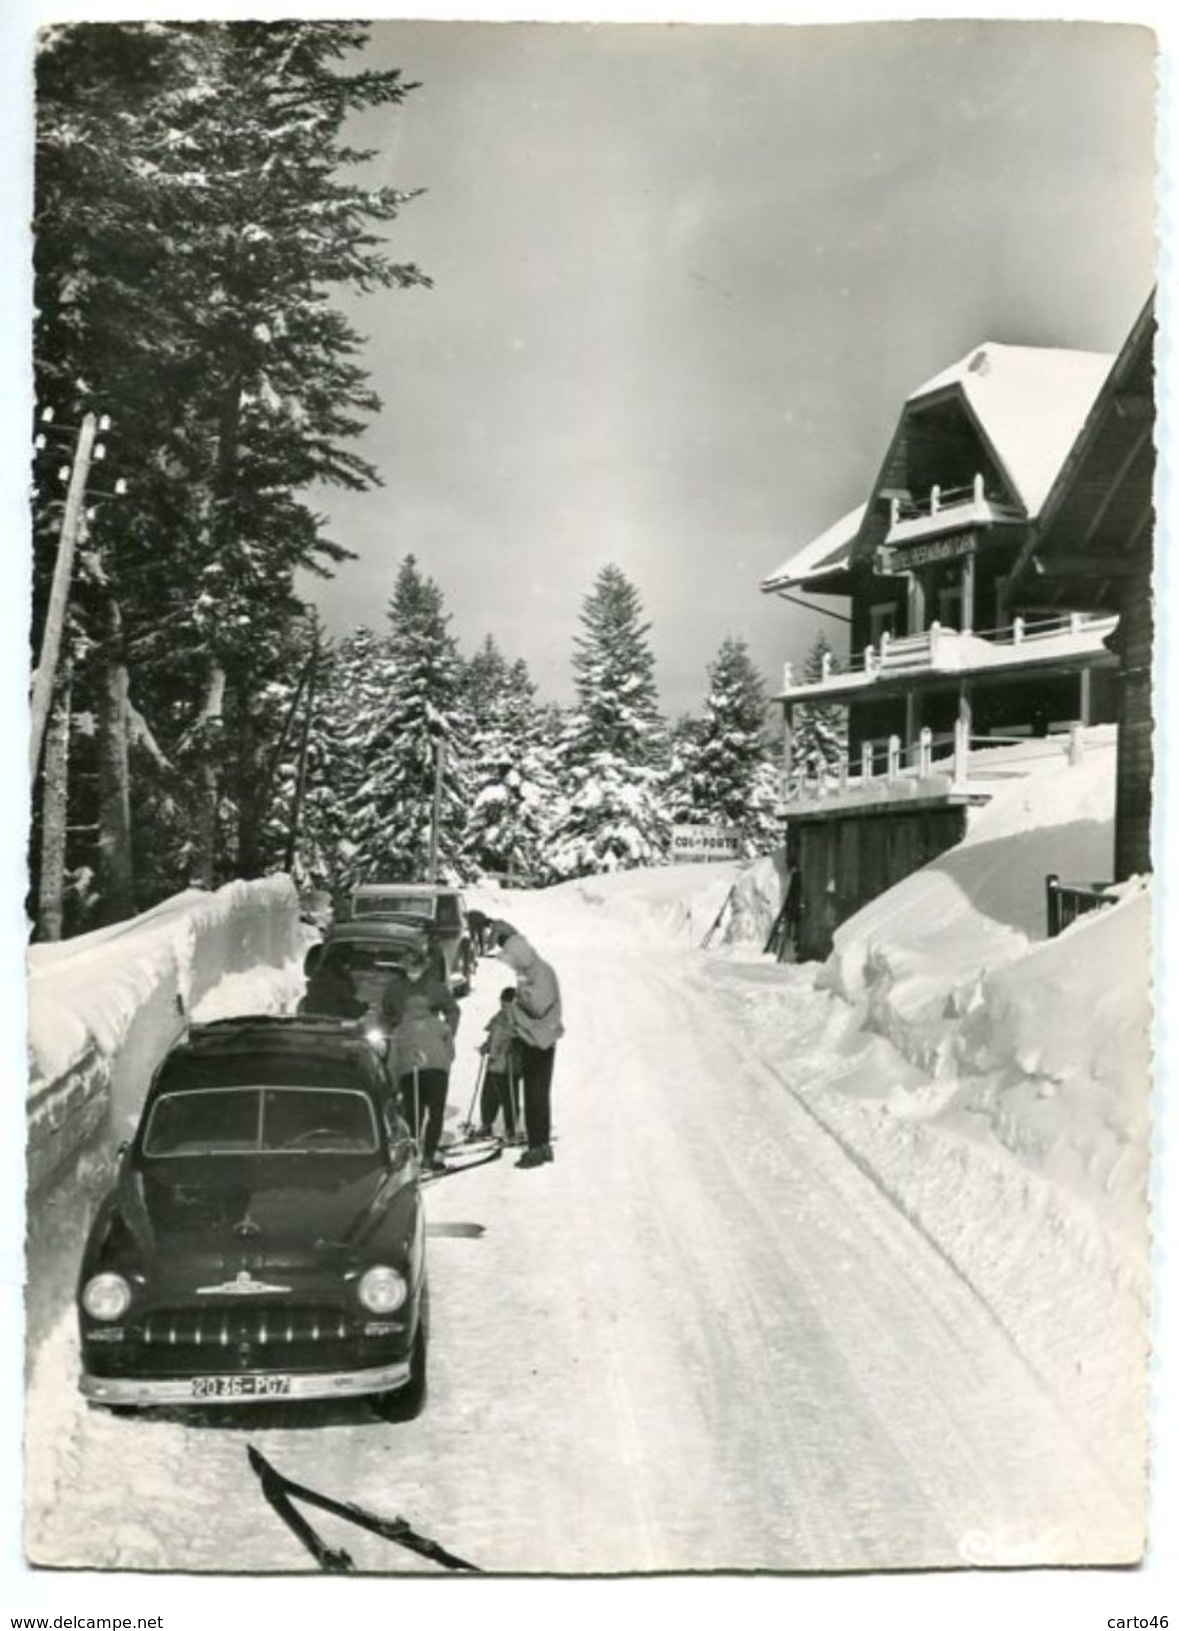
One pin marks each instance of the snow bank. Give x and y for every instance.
(1039, 1048)
(103, 1010)
(647, 905)
(87, 993)
(1053, 1060)
(754, 904)
(913, 957)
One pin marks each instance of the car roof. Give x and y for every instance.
(298, 1038)
(274, 1033)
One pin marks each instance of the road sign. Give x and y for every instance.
(695, 842)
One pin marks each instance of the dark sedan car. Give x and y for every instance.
(349, 970)
(437, 910)
(264, 1238)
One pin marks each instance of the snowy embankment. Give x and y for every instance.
(723, 903)
(1039, 1047)
(103, 1009)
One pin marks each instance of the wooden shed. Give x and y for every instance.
(840, 860)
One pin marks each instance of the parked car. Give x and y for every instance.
(264, 1238)
(438, 909)
(359, 958)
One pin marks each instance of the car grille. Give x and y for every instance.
(264, 1326)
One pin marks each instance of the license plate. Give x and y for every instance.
(240, 1387)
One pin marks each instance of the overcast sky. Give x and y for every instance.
(684, 278)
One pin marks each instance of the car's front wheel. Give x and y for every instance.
(407, 1403)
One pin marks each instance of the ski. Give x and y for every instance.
(480, 1158)
(281, 1490)
(278, 1491)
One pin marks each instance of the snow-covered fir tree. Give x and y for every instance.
(418, 710)
(613, 749)
(820, 728)
(723, 772)
(346, 694)
(510, 772)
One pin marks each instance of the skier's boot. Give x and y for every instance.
(535, 1157)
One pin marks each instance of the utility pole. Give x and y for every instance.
(46, 675)
(436, 816)
(301, 773)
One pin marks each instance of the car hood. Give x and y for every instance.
(275, 1214)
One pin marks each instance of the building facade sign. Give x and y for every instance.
(904, 559)
(691, 842)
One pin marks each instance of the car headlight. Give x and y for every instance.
(377, 1041)
(382, 1290)
(106, 1297)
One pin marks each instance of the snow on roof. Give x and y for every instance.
(1031, 402)
(829, 553)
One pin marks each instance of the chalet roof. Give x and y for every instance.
(1100, 505)
(826, 557)
(1029, 401)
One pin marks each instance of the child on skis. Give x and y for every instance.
(500, 1090)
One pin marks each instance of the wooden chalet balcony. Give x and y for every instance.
(1024, 642)
(947, 509)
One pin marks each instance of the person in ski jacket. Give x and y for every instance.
(421, 1016)
(500, 1090)
(536, 1016)
(418, 978)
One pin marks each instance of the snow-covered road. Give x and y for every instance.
(704, 1338)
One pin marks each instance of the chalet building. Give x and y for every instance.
(1093, 549)
(959, 637)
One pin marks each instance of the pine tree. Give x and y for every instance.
(510, 772)
(418, 710)
(353, 691)
(724, 773)
(613, 750)
(819, 738)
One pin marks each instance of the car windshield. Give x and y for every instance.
(260, 1121)
(368, 905)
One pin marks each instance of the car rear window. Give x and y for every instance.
(369, 905)
(255, 1120)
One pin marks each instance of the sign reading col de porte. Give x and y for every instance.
(699, 843)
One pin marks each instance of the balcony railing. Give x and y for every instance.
(946, 507)
(943, 650)
(952, 764)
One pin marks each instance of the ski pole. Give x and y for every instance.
(479, 1074)
(520, 1103)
